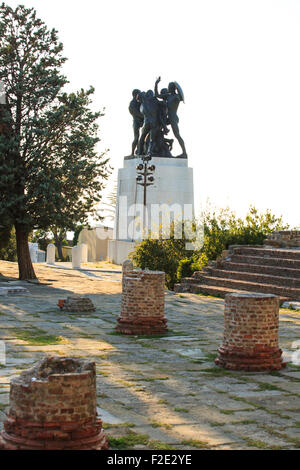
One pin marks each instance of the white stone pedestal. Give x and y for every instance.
(76, 257)
(51, 253)
(171, 197)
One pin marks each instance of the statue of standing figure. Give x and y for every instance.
(138, 118)
(172, 96)
(153, 112)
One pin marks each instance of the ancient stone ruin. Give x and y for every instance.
(76, 304)
(284, 239)
(143, 302)
(251, 333)
(53, 407)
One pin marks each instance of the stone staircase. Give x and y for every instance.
(250, 269)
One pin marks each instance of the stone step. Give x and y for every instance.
(256, 268)
(256, 277)
(283, 291)
(217, 291)
(265, 261)
(268, 252)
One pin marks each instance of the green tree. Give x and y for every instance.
(8, 247)
(50, 171)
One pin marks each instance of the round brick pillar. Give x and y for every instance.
(251, 333)
(53, 407)
(143, 302)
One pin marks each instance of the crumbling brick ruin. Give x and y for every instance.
(53, 407)
(251, 333)
(143, 302)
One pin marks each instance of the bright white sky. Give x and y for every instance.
(238, 62)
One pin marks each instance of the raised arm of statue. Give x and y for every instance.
(156, 88)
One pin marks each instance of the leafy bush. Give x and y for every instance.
(187, 266)
(221, 229)
(160, 255)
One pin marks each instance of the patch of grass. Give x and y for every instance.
(259, 444)
(244, 421)
(125, 384)
(102, 356)
(181, 410)
(176, 333)
(216, 371)
(273, 432)
(266, 386)
(203, 294)
(103, 373)
(102, 395)
(211, 356)
(293, 366)
(159, 424)
(128, 441)
(152, 379)
(85, 335)
(260, 407)
(121, 425)
(215, 424)
(38, 337)
(158, 445)
(227, 412)
(275, 373)
(163, 402)
(195, 443)
(289, 310)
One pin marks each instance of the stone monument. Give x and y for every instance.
(76, 257)
(53, 406)
(155, 188)
(50, 254)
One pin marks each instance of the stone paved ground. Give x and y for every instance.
(157, 393)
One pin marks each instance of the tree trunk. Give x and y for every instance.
(26, 271)
(59, 249)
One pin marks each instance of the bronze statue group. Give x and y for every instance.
(152, 113)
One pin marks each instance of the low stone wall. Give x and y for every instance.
(76, 304)
(284, 239)
(143, 302)
(251, 333)
(53, 407)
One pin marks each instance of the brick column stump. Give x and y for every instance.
(53, 407)
(251, 333)
(143, 302)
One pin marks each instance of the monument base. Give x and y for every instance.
(169, 197)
